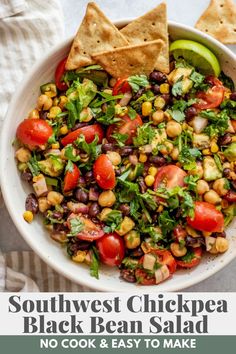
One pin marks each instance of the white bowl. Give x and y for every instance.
(15, 191)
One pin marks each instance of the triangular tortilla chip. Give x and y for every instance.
(132, 60)
(150, 27)
(95, 32)
(219, 21)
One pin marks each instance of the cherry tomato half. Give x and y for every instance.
(104, 172)
(194, 259)
(34, 132)
(170, 176)
(121, 86)
(164, 258)
(89, 132)
(206, 218)
(126, 126)
(213, 97)
(60, 70)
(111, 249)
(90, 231)
(71, 179)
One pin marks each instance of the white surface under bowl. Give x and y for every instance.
(15, 191)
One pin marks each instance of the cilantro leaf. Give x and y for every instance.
(130, 263)
(144, 135)
(109, 117)
(69, 153)
(33, 166)
(198, 81)
(74, 108)
(138, 81)
(191, 182)
(92, 149)
(120, 138)
(94, 265)
(69, 166)
(132, 113)
(113, 220)
(166, 222)
(177, 88)
(219, 122)
(76, 226)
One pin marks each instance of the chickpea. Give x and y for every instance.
(202, 186)
(34, 114)
(126, 226)
(44, 102)
(132, 239)
(43, 204)
(23, 154)
(158, 117)
(175, 154)
(167, 149)
(54, 198)
(114, 157)
(54, 111)
(106, 199)
(173, 129)
(62, 101)
(219, 186)
(221, 244)
(213, 249)
(104, 213)
(177, 250)
(192, 232)
(212, 197)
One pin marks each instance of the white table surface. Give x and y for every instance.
(185, 11)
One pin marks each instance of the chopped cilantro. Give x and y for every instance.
(76, 226)
(145, 134)
(69, 153)
(219, 122)
(108, 117)
(69, 166)
(177, 88)
(33, 166)
(166, 222)
(191, 182)
(132, 113)
(138, 81)
(113, 221)
(130, 263)
(120, 138)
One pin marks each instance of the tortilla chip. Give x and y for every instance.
(219, 21)
(132, 60)
(150, 27)
(95, 32)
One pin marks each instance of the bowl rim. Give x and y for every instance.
(97, 286)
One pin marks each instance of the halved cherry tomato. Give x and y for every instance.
(104, 172)
(90, 231)
(111, 249)
(230, 196)
(34, 132)
(194, 259)
(206, 218)
(126, 126)
(213, 97)
(89, 132)
(170, 176)
(121, 86)
(164, 258)
(60, 70)
(71, 179)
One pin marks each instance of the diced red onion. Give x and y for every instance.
(125, 100)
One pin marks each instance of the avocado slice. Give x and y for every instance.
(52, 166)
(230, 152)
(210, 169)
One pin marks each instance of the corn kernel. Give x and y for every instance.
(54, 111)
(146, 108)
(56, 146)
(62, 101)
(79, 257)
(149, 180)
(214, 147)
(164, 88)
(64, 130)
(28, 216)
(159, 102)
(142, 157)
(160, 208)
(233, 139)
(206, 152)
(152, 171)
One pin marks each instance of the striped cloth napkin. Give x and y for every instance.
(27, 30)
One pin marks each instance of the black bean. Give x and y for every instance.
(126, 151)
(27, 176)
(81, 181)
(88, 177)
(79, 125)
(166, 97)
(59, 227)
(65, 208)
(225, 139)
(108, 147)
(219, 234)
(32, 204)
(138, 94)
(155, 88)
(190, 112)
(81, 195)
(233, 96)
(43, 115)
(128, 275)
(57, 215)
(157, 160)
(125, 209)
(142, 185)
(94, 210)
(137, 252)
(83, 245)
(226, 172)
(233, 184)
(157, 76)
(79, 245)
